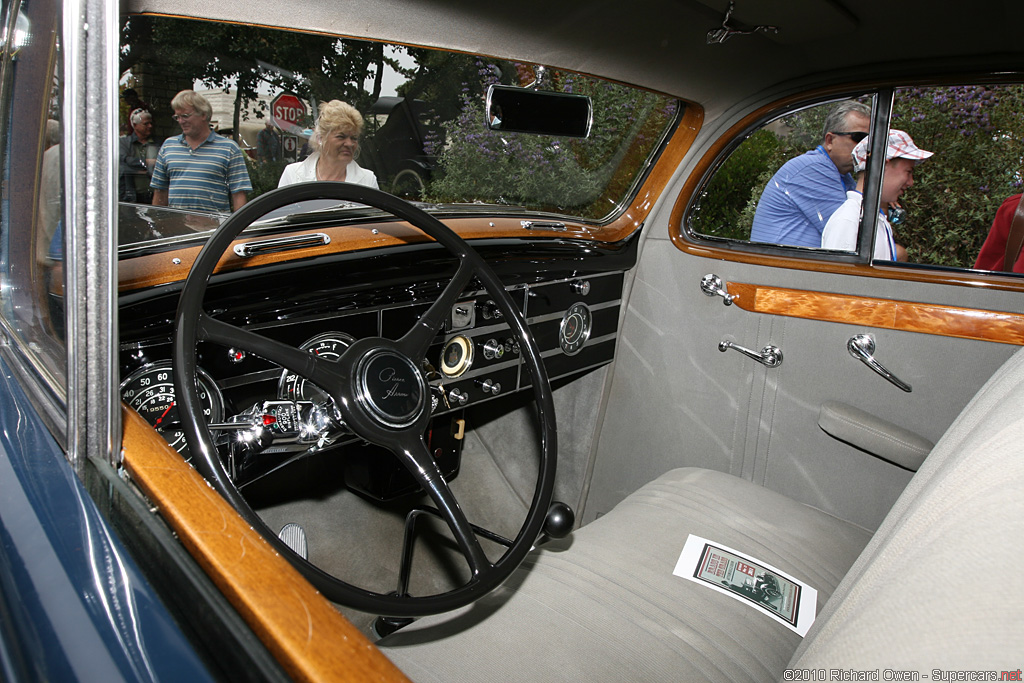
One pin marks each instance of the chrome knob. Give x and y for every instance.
(493, 349)
(581, 287)
(489, 386)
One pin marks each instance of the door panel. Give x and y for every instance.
(686, 403)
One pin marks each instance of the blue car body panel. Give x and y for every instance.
(73, 603)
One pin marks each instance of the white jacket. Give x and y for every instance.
(305, 171)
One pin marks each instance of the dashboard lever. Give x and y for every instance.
(712, 285)
(862, 347)
(770, 356)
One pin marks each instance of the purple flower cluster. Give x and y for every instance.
(966, 109)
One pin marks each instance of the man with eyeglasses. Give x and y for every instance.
(136, 159)
(800, 198)
(199, 169)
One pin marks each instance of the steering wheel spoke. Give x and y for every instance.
(319, 371)
(416, 341)
(413, 452)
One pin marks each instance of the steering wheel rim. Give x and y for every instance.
(363, 415)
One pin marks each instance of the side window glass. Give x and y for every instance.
(784, 181)
(31, 198)
(971, 183)
(951, 183)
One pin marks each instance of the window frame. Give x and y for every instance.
(805, 258)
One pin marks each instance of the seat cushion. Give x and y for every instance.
(604, 605)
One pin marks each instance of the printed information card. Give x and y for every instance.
(748, 580)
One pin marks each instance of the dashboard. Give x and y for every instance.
(570, 295)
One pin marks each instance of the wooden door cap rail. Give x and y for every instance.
(890, 314)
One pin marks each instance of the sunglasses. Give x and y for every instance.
(856, 136)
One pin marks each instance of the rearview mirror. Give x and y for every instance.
(540, 112)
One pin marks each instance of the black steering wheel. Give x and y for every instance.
(395, 420)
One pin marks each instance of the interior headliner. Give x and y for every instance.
(662, 44)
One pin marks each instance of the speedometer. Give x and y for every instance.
(149, 391)
(329, 345)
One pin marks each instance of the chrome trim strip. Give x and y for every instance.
(591, 342)
(554, 226)
(276, 244)
(557, 315)
(90, 143)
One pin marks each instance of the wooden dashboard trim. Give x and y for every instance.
(890, 314)
(310, 639)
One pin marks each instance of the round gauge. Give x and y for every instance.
(329, 345)
(457, 356)
(575, 329)
(149, 391)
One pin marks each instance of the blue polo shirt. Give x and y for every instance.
(799, 199)
(203, 178)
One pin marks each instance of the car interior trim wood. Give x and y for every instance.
(310, 639)
(891, 314)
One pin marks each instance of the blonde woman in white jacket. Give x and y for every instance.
(335, 142)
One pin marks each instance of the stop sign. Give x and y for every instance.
(287, 112)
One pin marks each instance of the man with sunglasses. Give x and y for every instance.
(199, 169)
(800, 198)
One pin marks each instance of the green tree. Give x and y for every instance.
(586, 177)
(976, 133)
(249, 58)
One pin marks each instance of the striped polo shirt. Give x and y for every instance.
(203, 178)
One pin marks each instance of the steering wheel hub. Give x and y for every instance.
(390, 388)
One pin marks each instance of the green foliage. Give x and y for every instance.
(264, 175)
(250, 58)
(727, 206)
(976, 133)
(584, 177)
(736, 183)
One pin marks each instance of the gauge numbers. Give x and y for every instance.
(575, 329)
(149, 391)
(329, 345)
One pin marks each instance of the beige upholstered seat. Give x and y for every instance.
(938, 586)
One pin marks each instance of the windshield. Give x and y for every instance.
(419, 128)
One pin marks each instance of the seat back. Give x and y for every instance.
(941, 583)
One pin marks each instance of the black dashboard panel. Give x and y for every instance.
(570, 301)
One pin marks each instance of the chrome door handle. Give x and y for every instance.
(862, 347)
(770, 356)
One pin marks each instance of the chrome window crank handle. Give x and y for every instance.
(862, 347)
(770, 356)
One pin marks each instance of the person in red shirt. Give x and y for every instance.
(993, 250)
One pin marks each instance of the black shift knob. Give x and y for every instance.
(559, 520)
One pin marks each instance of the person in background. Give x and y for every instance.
(901, 156)
(335, 143)
(136, 159)
(199, 169)
(993, 251)
(802, 195)
(268, 143)
(133, 101)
